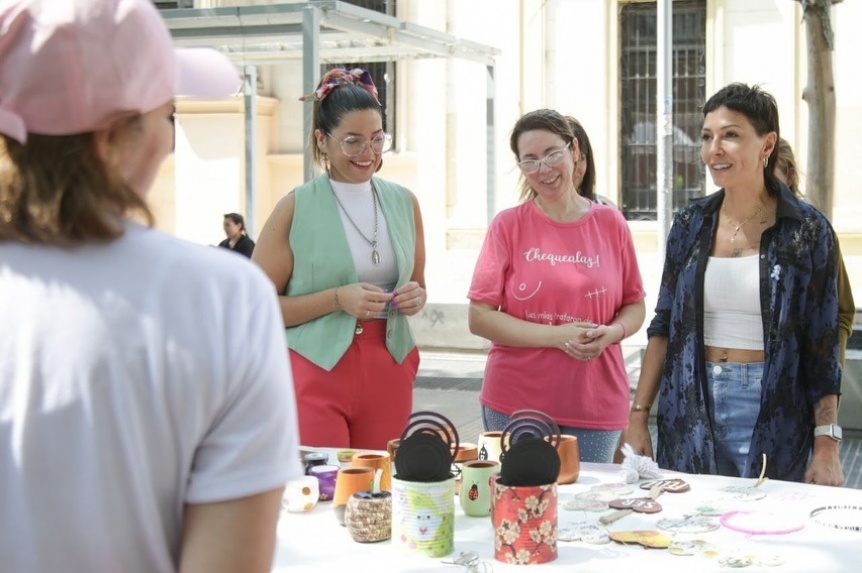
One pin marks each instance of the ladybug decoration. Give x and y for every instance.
(483, 453)
(473, 494)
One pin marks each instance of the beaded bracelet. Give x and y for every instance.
(335, 303)
(623, 326)
(819, 510)
(726, 520)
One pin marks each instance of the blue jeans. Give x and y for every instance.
(596, 446)
(734, 390)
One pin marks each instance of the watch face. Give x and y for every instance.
(837, 432)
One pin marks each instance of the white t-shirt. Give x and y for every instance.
(135, 377)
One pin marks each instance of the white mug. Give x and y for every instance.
(489, 446)
(301, 494)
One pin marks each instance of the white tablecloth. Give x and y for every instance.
(315, 542)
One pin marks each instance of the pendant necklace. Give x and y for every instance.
(375, 256)
(739, 227)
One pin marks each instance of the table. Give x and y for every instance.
(314, 541)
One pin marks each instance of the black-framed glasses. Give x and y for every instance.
(530, 166)
(353, 145)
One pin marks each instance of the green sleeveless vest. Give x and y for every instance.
(322, 260)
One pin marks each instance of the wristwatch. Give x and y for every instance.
(832, 430)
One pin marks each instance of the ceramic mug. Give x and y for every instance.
(475, 492)
(349, 481)
(525, 523)
(392, 448)
(300, 494)
(375, 461)
(489, 446)
(423, 516)
(326, 475)
(570, 459)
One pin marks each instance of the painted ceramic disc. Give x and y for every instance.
(744, 493)
(675, 485)
(715, 507)
(651, 539)
(619, 488)
(636, 504)
(688, 524)
(693, 547)
(588, 533)
(590, 501)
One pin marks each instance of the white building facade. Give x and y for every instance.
(594, 59)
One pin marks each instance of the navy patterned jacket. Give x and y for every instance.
(799, 303)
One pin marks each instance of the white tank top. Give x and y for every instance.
(731, 303)
(356, 199)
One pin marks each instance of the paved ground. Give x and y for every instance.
(449, 385)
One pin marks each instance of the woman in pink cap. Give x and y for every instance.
(135, 435)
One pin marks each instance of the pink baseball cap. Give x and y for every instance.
(73, 66)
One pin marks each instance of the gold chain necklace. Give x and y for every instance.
(738, 227)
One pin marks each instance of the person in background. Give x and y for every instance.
(136, 435)
(346, 254)
(556, 289)
(237, 239)
(787, 173)
(743, 350)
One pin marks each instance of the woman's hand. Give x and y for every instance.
(585, 341)
(637, 435)
(410, 298)
(825, 467)
(362, 300)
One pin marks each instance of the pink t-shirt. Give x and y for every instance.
(547, 272)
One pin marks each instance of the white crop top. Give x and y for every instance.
(731, 303)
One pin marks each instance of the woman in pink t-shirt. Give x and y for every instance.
(555, 289)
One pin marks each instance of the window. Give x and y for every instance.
(638, 36)
(383, 73)
(166, 5)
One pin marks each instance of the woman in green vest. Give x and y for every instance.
(347, 256)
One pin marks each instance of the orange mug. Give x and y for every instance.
(375, 461)
(570, 459)
(349, 481)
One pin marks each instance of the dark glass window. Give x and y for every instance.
(638, 36)
(170, 5)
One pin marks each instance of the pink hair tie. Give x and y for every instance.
(341, 77)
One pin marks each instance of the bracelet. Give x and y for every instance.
(623, 326)
(836, 525)
(335, 303)
(746, 522)
(638, 408)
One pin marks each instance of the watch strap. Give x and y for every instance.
(834, 431)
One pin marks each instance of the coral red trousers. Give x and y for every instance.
(363, 402)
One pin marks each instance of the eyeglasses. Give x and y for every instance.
(353, 146)
(529, 166)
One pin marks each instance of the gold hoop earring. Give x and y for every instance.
(766, 162)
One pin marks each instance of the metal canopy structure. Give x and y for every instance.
(320, 32)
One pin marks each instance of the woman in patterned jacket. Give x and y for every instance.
(743, 351)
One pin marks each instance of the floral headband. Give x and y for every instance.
(341, 77)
